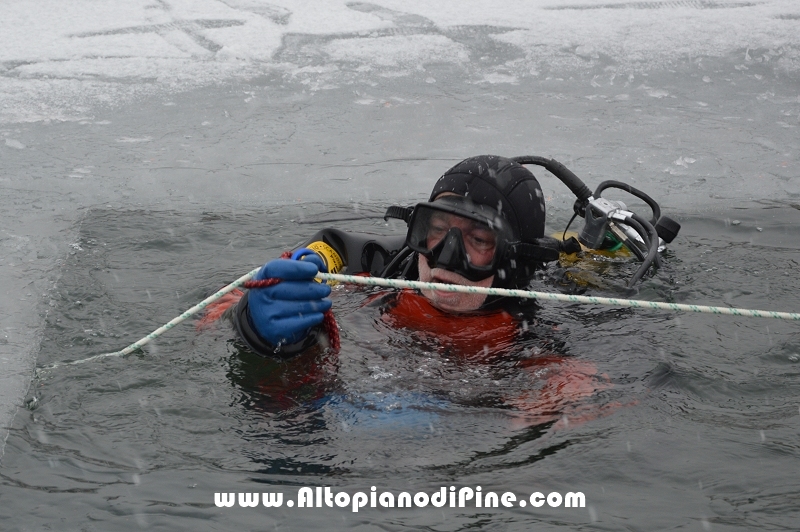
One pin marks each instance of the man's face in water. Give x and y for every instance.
(480, 246)
(480, 242)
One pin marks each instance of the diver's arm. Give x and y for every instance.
(354, 253)
(268, 330)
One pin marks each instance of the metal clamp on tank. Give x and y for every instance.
(597, 216)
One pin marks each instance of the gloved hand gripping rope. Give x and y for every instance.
(287, 301)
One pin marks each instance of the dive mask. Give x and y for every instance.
(458, 235)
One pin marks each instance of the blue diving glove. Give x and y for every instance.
(285, 312)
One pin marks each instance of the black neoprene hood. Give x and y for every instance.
(502, 184)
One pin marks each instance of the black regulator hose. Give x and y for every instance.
(573, 182)
(583, 193)
(391, 269)
(649, 235)
(633, 191)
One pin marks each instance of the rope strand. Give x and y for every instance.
(547, 296)
(333, 331)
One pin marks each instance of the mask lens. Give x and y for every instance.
(431, 226)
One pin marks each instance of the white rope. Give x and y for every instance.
(167, 326)
(528, 294)
(396, 283)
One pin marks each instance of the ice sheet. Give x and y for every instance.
(129, 48)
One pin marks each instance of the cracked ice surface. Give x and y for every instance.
(60, 58)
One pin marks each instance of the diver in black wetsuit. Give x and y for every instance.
(483, 226)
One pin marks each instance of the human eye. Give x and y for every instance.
(482, 240)
(437, 228)
(439, 223)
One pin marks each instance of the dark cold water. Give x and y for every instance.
(692, 424)
(151, 152)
